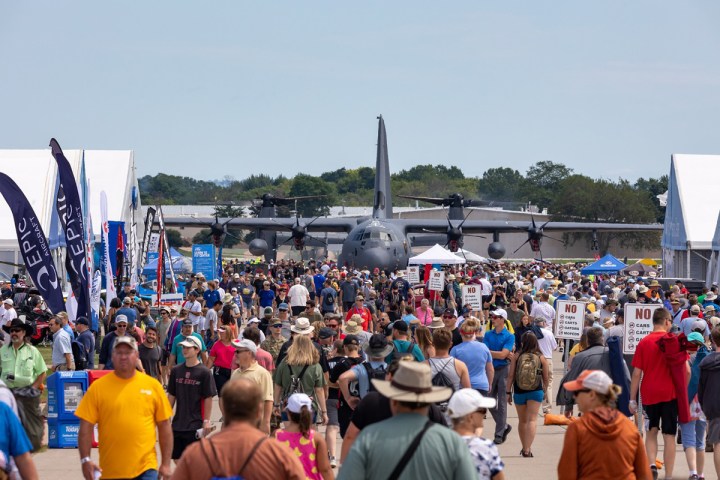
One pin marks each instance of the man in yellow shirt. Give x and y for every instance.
(127, 406)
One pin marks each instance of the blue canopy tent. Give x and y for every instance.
(180, 263)
(607, 264)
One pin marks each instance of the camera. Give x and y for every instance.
(10, 376)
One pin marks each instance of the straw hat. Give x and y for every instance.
(436, 323)
(412, 382)
(352, 328)
(302, 326)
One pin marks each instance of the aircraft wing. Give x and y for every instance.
(342, 225)
(502, 226)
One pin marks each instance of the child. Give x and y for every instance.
(299, 436)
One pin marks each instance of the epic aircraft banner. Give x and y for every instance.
(33, 245)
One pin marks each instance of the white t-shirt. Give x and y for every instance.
(8, 316)
(195, 311)
(298, 295)
(547, 344)
(486, 287)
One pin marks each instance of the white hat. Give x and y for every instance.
(191, 342)
(9, 301)
(253, 320)
(595, 380)
(499, 313)
(466, 401)
(298, 400)
(302, 326)
(121, 319)
(127, 340)
(245, 344)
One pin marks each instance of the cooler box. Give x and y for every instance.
(65, 390)
(63, 434)
(92, 376)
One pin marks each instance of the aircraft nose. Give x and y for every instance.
(376, 257)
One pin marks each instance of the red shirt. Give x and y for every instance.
(657, 385)
(363, 312)
(265, 360)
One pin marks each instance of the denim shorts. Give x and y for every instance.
(693, 434)
(522, 398)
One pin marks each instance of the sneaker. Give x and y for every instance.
(500, 440)
(333, 462)
(693, 477)
(653, 470)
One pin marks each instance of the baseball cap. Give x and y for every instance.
(253, 320)
(326, 332)
(187, 322)
(121, 319)
(127, 300)
(9, 301)
(466, 401)
(82, 321)
(245, 344)
(700, 325)
(401, 326)
(298, 400)
(696, 337)
(191, 342)
(499, 313)
(449, 311)
(283, 306)
(127, 340)
(695, 308)
(165, 309)
(268, 311)
(595, 380)
(351, 340)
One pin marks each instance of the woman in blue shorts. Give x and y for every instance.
(528, 375)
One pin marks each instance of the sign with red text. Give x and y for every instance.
(437, 280)
(413, 274)
(638, 323)
(569, 319)
(472, 295)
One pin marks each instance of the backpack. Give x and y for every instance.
(329, 300)
(397, 354)
(378, 373)
(80, 355)
(296, 385)
(528, 371)
(440, 379)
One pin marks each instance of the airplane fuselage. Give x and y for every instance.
(376, 243)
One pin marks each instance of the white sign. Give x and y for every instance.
(413, 274)
(472, 295)
(569, 319)
(167, 300)
(437, 281)
(153, 243)
(638, 323)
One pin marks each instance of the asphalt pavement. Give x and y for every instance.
(64, 464)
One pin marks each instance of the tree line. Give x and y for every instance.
(567, 195)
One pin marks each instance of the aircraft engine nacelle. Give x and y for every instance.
(496, 250)
(258, 247)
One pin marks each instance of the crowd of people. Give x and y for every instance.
(403, 374)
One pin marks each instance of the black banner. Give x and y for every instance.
(33, 245)
(69, 209)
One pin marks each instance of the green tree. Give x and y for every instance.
(229, 211)
(175, 239)
(542, 181)
(303, 185)
(653, 187)
(502, 184)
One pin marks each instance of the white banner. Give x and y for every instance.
(413, 274)
(569, 319)
(95, 299)
(472, 295)
(437, 281)
(638, 323)
(109, 278)
(153, 243)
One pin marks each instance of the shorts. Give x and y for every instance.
(693, 434)
(523, 398)
(713, 431)
(665, 413)
(332, 411)
(164, 357)
(297, 310)
(181, 440)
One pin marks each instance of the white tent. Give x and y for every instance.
(436, 254)
(690, 216)
(35, 172)
(470, 256)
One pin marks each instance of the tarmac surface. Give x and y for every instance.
(64, 464)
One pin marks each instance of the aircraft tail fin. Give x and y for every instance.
(382, 203)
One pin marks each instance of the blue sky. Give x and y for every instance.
(214, 89)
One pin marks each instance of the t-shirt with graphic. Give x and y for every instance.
(485, 456)
(189, 386)
(132, 406)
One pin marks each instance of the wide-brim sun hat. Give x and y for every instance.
(412, 382)
(302, 326)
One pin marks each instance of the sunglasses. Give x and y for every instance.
(447, 317)
(332, 325)
(578, 392)
(482, 411)
(16, 330)
(277, 325)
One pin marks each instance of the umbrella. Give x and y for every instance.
(639, 269)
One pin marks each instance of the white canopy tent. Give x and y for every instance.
(436, 254)
(470, 256)
(690, 217)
